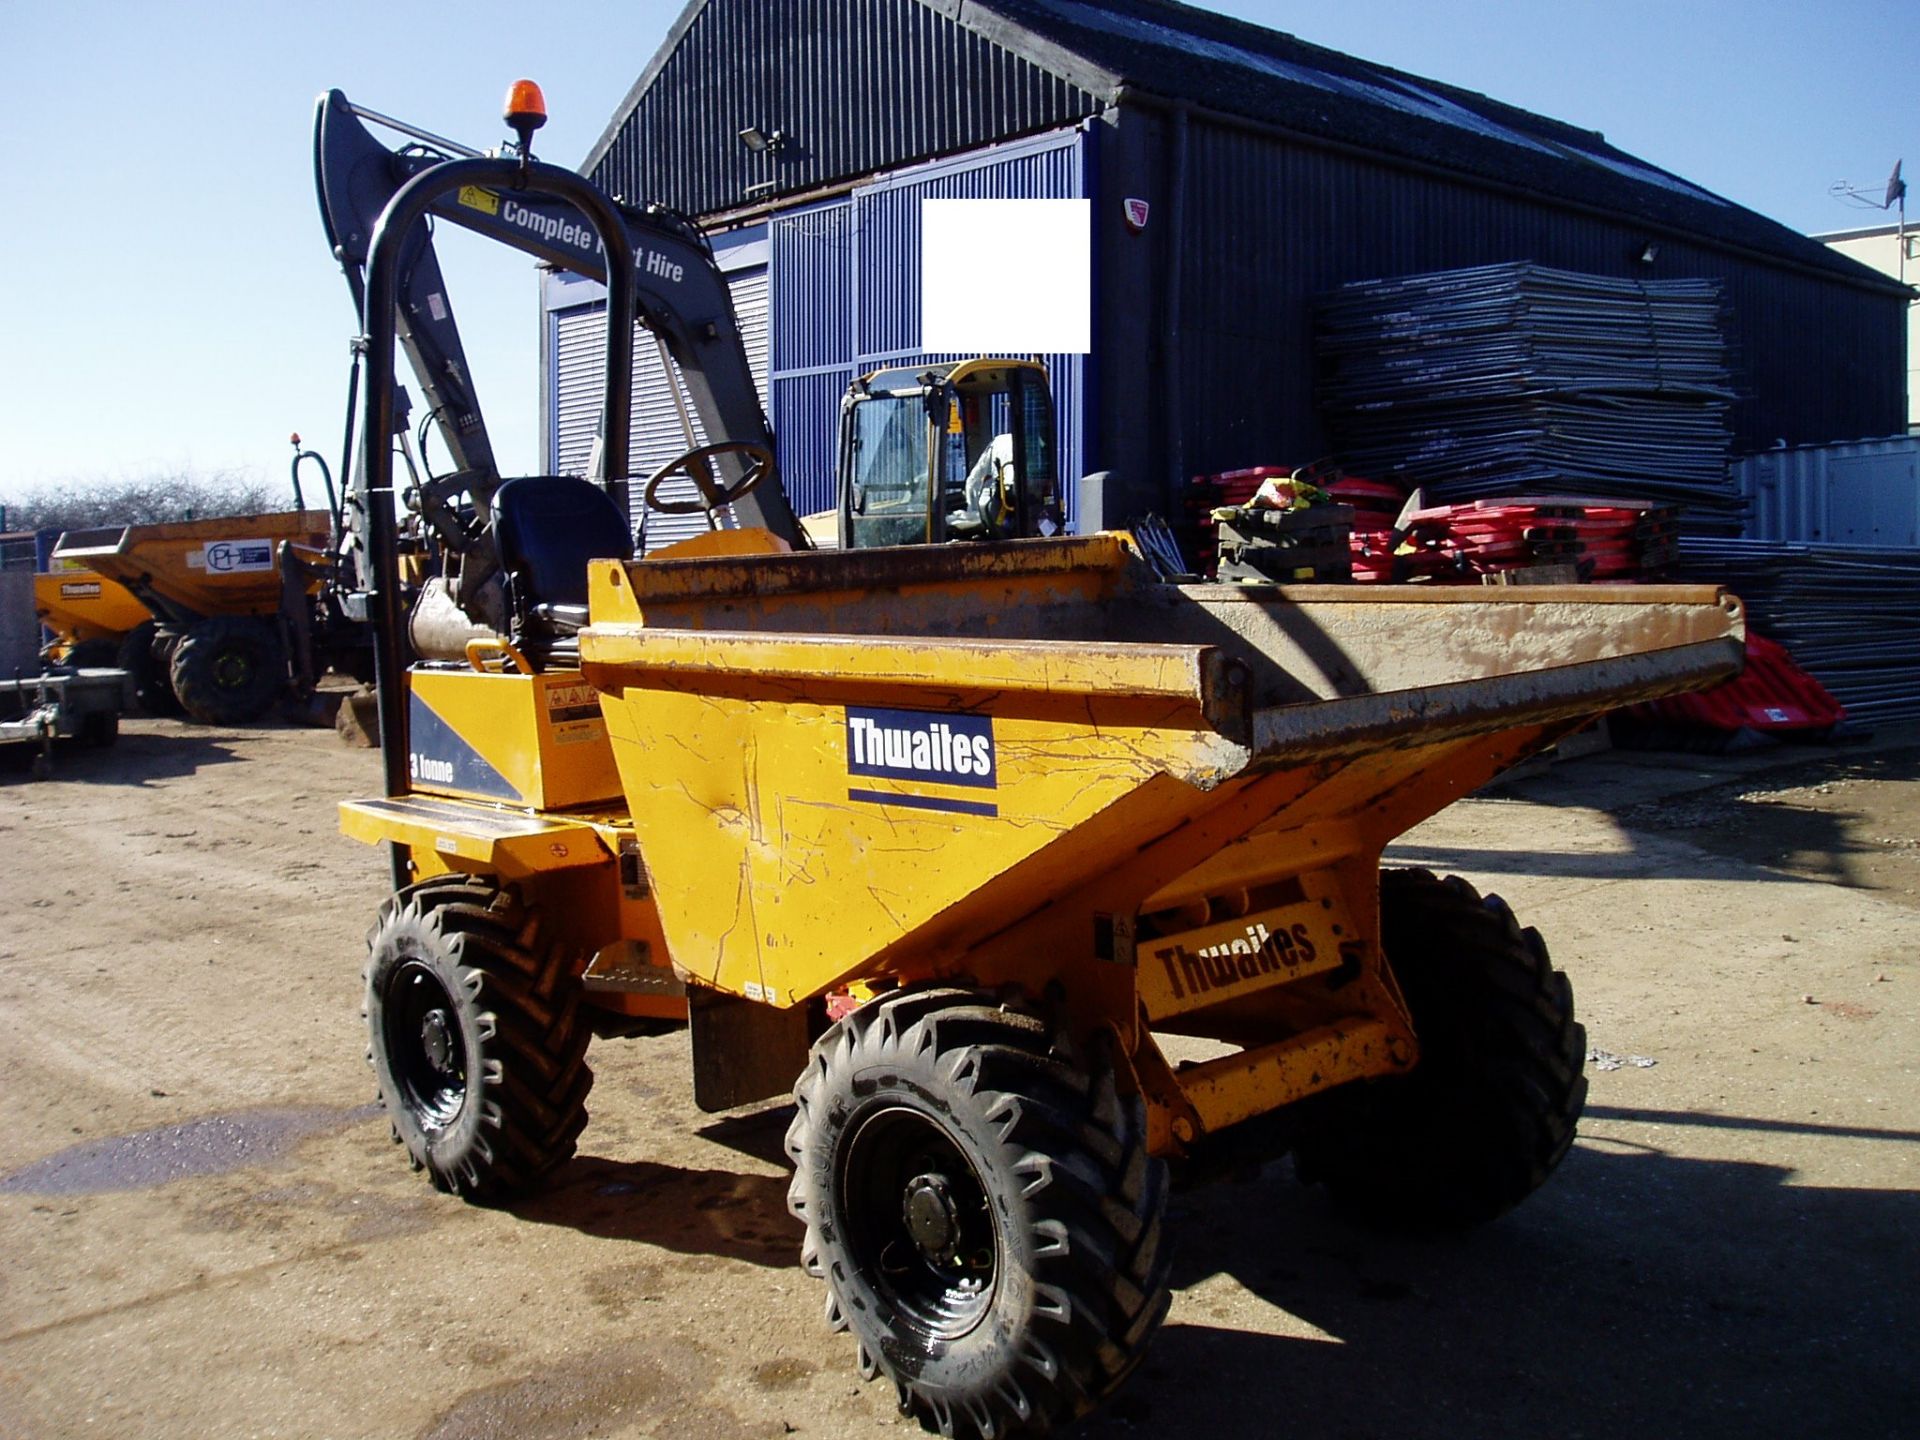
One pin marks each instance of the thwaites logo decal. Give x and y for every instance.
(1221, 966)
(922, 748)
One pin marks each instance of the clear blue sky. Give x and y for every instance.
(170, 303)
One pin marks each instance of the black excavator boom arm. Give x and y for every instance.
(682, 295)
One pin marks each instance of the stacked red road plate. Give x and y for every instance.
(1376, 506)
(1601, 539)
(1772, 695)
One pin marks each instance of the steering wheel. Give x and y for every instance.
(714, 493)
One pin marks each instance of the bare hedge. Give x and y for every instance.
(143, 500)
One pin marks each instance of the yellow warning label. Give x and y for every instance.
(474, 198)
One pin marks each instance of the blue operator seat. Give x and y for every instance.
(547, 528)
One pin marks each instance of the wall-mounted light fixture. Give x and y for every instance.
(760, 141)
(1649, 253)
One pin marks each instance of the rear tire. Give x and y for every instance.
(478, 1040)
(984, 1212)
(229, 670)
(152, 689)
(1491, 1107)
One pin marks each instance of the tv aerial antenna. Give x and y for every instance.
(1895, 193)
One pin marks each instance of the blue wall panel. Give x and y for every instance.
(815, 308)
(806, 428)
(1050, 168)
(846, 300)
(813, 287)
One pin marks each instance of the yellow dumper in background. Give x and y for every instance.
(90, 616)
(214, 589)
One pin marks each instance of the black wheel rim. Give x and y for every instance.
(426, 1054)
(919, 1226)
(233, 670)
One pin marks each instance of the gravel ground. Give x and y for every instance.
(207, 1232)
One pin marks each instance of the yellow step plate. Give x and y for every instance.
(485, 838)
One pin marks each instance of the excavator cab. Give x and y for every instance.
(957, 451)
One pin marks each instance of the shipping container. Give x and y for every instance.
(1863, 493)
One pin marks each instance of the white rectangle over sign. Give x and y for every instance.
(1006, 277)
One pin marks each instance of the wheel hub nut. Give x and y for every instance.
(437, 1039)
(931, 1219)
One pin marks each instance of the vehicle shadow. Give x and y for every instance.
(1639, 1293)
(1776, 842)
(695, 1212)
(760, 1133)
(134, 760)
(1744, 825)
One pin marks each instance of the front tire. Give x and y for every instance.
(983, 1211)
(1490, 1109)
(229, 670)
(152, 689)
(477, 1035)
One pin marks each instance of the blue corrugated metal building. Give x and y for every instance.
(1271, 170)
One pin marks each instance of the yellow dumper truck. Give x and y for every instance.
(89, 616)
(215, 589)
(1027, 873)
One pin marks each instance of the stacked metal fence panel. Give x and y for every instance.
(1849, 615)
(1512, 379)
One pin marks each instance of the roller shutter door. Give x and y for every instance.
(847, 279)
(577, 344)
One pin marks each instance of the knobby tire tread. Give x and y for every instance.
(192, 670)
(1493, 1104)
(1095, 1198)
(532, 1072)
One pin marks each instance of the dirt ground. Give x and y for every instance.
(206, 1231)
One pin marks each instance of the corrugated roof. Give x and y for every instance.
(1181, 53)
